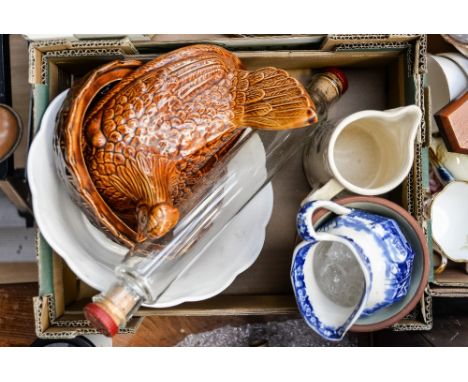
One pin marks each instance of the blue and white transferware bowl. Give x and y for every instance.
(351, 267)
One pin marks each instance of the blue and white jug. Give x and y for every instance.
(352, 266)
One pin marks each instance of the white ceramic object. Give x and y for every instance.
(351, 267)
(459, 59)
(457, 80)
(449, 217)
(446, 80)
(92, 256)
(439, 89)
(456, 164)
(369, 152)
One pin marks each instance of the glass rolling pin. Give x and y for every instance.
(151, 267)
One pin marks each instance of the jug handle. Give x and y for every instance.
(304, 224)
(326, 192)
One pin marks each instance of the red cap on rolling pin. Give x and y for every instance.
(100, 319)
(341, 76)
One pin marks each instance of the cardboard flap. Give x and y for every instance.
(334, 40)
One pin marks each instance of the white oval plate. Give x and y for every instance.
(449, 215)
(92, 256)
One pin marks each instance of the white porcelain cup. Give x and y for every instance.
(369, 152)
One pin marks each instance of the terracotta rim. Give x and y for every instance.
(425, 252)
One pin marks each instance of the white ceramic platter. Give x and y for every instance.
(92, 256)
(449, 215)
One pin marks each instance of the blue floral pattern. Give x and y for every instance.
(397, 252)
(302, 298)
(398, 256)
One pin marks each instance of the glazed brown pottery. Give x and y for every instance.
(10, 131)
(133, 138)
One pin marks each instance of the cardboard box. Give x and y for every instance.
(393, 66)
(453, 282)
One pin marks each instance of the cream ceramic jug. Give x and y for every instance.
(369, 152)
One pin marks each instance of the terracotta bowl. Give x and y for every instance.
(413, 232)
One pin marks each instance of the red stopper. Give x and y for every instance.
(100, 319)
(341, 76)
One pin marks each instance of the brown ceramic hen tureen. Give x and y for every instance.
(132, 138)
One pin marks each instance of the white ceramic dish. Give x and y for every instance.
(459, 59)
(449, 215)
(440, 93)
(439, 84)
(92, 256)
(454, 76)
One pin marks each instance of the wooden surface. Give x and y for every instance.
(18, 273)
(16, 314)
(17, 324)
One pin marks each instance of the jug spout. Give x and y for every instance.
(400, 128)
(404, 122)
(332, 286)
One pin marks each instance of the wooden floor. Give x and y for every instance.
(17, 324)
(16, 314)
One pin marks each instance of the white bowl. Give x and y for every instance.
(449, 215)
(92, 256)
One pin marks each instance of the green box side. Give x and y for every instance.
(44, 251)
(41, 101)
(44, 256)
